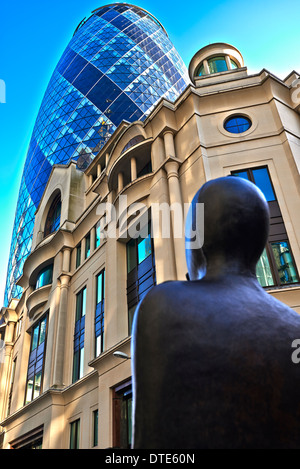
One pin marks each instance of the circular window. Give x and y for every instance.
(237, 124)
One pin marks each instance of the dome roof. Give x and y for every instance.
(116, 67)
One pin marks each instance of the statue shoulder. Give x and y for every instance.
(158, 300)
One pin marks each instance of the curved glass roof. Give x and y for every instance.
(116, 67)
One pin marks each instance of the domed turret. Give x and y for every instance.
(215, 58)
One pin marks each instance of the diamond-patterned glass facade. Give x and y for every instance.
(117, 66)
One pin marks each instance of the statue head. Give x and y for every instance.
(236, 225)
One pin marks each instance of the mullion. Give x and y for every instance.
(272, 263)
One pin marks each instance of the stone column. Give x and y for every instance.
(177, 215)
(206, 67)
(66, 260)
(62, 313)
(120, 181)
(169, 144)
(133, 169)
(228, 63)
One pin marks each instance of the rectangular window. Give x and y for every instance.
(36, 361)
(276, 265)
(75, 434)
(95, 428)
(97, 235)
(31, 440)
(78, 359)
(99, 313)
(78, 255)
(87, 251)
(141, 275)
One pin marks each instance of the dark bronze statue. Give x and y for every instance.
(212, 363)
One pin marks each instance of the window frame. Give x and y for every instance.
(79, 335)
(136, 275)
(87, 248)
(78, 255)
(48, 268)
(283, 237)
(237, 116)
(95, 430)
(97, 232)
(76, 425)
(99, 314)
(122, 397)
(52, 224)
(34, 358)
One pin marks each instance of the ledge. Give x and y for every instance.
(37, 299)
(137, 151)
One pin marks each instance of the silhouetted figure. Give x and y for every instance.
(212, 363)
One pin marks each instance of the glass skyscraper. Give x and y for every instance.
(117, 66)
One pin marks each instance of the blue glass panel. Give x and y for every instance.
(144, 248)
(237, 124)
(44, 277)
(217, 65)
(87, 78)
(241, 174)
(262, 180)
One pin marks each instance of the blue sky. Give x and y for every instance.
(34, 34)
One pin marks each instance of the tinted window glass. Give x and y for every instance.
(237, 124)
(262, 180)
(131, 255)
(35, 336)
(217, 64)
(44, 277)
(144, 248)
(284, 262)
(241, 174)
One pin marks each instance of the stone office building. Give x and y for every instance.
(62, 384)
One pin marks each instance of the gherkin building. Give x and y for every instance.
(118, 64)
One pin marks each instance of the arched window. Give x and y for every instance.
(44, 277)
(132, 142)
(216, 65)
(53, 217)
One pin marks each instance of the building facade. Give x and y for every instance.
(118, 64)
(64, 382)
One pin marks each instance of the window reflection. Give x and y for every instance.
(262, 180)
(284, 262)
(53, 217)
(44, 277)
(237, 124)
(276, 265)
(217, 65)
(263, 271)
(144, 248)
(98, 233)
(36, 361)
